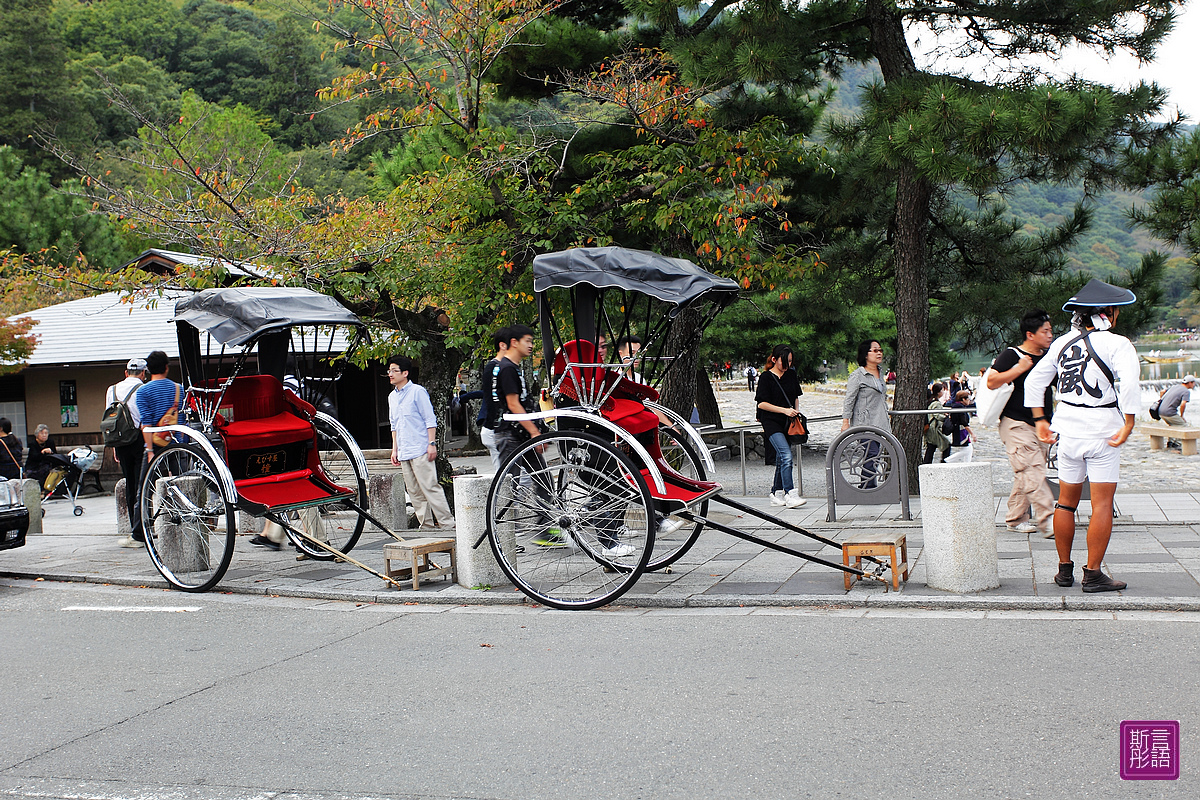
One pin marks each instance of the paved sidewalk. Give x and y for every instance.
(1155, 548)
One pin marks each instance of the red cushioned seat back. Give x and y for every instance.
(253, 397)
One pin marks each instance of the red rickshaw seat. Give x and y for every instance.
(258, 412)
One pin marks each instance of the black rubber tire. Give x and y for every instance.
(78, 511)
(591, 492)
(670, 548)
(341, 525)
(208, 544)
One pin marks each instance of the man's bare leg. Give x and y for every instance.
(1100, 526)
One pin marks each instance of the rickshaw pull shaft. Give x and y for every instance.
(754, 512)
(769, 544)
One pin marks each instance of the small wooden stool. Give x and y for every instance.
(876, 544)
(417, 552)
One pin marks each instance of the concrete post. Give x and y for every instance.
(475, 567)
(30, 492)
(182, 544)
(960, 535)
(388, 501)
(124, 528)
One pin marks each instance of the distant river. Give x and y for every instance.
(973, 362)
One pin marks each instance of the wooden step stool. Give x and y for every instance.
(876, 544)
(417, 552)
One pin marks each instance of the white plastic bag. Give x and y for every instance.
(989, 403)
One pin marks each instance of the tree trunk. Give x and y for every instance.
(678, 391)
(438, 369)
(909, 250)
(913, 195)
(706, 400)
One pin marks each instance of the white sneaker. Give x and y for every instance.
(1023, 527)
(777, 498)
(793, 499)
(617, 551)
(669, 526)
(129, 541)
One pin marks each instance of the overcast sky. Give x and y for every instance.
(1174, 67)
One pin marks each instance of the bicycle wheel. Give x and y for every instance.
(572, 529)
(675, 535)
(189, 526)
(337, 524)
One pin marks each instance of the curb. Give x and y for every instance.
(510, 597)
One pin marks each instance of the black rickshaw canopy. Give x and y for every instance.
(672, 280)
(237, 316)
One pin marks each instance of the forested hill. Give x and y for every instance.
(1110, 248)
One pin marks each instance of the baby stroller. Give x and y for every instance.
(67, 476)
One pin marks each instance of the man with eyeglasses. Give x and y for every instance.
(414, 445)
(1030, 503)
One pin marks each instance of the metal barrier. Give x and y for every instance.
(866, 466)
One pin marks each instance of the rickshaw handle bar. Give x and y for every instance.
(769, 544)
(777, 521)
(281, 522)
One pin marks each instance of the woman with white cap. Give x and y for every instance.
(1093, 419)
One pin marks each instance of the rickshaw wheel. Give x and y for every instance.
(672, 545)
(336, 523)
(579, 531)
(189, 526)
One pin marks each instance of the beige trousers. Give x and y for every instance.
(1027, 455)
(428, 497)
(310, 523)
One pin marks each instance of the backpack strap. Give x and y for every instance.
(1108, 373)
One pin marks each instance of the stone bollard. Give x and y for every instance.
(960, 534)
(30, 492)
(123, 526)
(181, 546)
(475, 567)
(388, 501)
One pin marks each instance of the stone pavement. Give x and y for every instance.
(1155, 548)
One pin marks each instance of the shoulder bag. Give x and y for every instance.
(989, 403)
(170, 418)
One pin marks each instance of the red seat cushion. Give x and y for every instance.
(249, 434)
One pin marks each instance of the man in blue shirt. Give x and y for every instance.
(157, 397)
(414, 448)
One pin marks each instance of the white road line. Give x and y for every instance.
(134, 609)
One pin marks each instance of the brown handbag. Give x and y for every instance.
(169, 418)
(797, 427)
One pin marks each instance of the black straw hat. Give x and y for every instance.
(1098, 294)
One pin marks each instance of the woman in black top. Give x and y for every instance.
(778, 391)
(10, 451)
(37, 465)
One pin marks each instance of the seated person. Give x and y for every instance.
(37, 465)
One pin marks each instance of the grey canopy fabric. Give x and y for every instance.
(237, 316)
(672, 280)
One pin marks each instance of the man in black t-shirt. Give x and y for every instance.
(1030, 504)
(490, 411)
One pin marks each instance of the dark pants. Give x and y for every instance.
(132, 457)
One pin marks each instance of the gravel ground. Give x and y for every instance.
(1142, 469)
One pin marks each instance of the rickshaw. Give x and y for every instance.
(256, 434)
(617, 484)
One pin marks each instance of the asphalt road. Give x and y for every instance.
(134, 693)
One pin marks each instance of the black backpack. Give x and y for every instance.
(117, 426)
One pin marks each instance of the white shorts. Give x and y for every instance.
(1094, 459)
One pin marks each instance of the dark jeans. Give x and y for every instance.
(870, 465)
(132, 457)
(783, 463)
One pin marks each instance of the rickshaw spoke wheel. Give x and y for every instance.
(335, 523)
(572, 527)
(189, 527)
(675, 535)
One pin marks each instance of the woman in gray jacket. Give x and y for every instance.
(866, 404)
